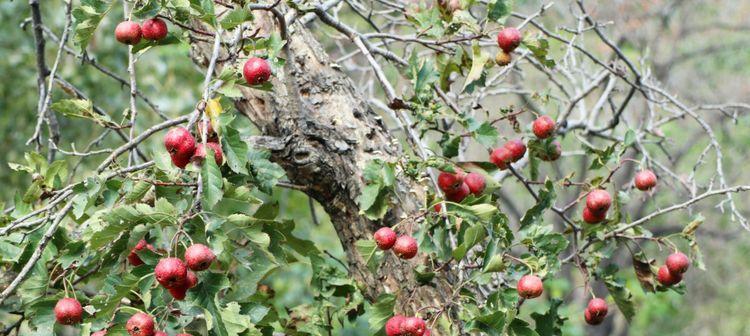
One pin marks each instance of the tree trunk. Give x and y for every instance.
(323, 135)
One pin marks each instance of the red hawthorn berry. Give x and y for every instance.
(593, 217)
(458, 195)
(128, 32)
(405, 247)
(427, 332)
(133, 257)
(529, 287)
(385, 238)
(449, 182)
(68, 311)
(199, 257)
(256, 71)
(677, 263)
(438, 207)
(180, 144)
(413, 326)
(393, 326)
(154, 29)
(475, 182)
(140, 324)
(517, 149)
(178, 293)
(645, 180)
(668, 278)
(543, 127)
(598, 307)
(183, 334)
(501, 157)
(200, 154)
(160, 333)
(592, 319)
(191, 280)
(170, 272)
(509, 39)
(598, 200)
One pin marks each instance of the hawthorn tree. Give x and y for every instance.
(416, 117)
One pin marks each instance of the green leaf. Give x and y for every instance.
(139, 190)
(471, 237)
(87, 17)
(234, 322)
(519, 327)
(368, 250)
(479, 59)
(235, 150)
(205, 295)
(623, 297)
(498, 9)
(81, 108)
(235, 18)
(549, 323)
(486, 135)
(546, 198)
(492, 324)
(212, 181)
(381, 311)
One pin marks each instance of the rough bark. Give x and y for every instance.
(324, 144)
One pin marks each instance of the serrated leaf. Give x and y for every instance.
(498, 9)
(235, 18)
(87, 17)
(381, 311)
(369, 252)
(212, 181)
(235, 150)
(139, 190)
(471, 237)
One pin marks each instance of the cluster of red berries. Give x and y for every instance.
(512, 151)
(675, 266)
(596, 311)
(129, 32)
(183, 148)
(405, 247)
(508, 40)
(399, 325)
(459, 185)
(172, 273)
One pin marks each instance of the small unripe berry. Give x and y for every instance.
(200, 154)
(508, 39)
(170, 272)
(668, 278)
(449, 182)
(256, 71)
(592, 319)
(550, 152)
(501, 157)
(413, 326)
(475, 182)
(598, 200)
(140, 324)
(645, 180)
(517, 149)
(597, 307)
(154, 29)
(593, 217)
(68, 311)
(393, 326)
(529, 287)
(385, 238)
(133, 257)
(459, 194)
(677, 263)
(543, 127)
(128, 32)
(503, 58)
(199, 257)
(405, 247)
